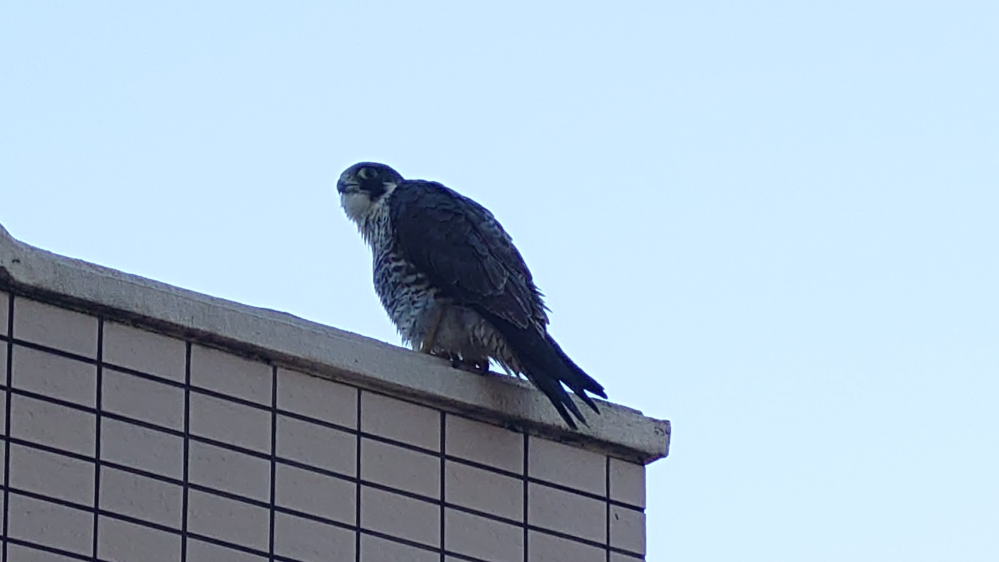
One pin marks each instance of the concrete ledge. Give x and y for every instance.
(286, 340)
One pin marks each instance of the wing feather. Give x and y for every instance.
(465, 251)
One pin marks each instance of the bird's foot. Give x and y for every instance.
(480, 366)
(477, 366)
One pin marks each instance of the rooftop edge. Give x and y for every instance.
(287, 340)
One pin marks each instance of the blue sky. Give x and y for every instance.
(773, 223)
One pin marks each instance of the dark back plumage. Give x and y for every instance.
(464, 251)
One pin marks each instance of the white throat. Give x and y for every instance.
(364, 212)
(356, 204)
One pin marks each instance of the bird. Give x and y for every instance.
(454, 284)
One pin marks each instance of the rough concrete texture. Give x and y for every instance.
(286, 340)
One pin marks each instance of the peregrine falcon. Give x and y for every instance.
(455, 286)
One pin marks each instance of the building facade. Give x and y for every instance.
(146, 423)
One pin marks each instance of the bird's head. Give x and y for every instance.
(363, 185)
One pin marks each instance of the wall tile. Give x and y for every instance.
(143, 399)
(228, 520)
(26, 554)
(307, 493)
(485, 444)
(485, 491)
(400, 468)
(311, 541)
(142, 448)
(230, 422)
(55, 327)
(627, 482)
(50, 524)
(316, 445)
(231, 374)
(141, 497)
(399, 420)
(53, 425)
(483, 538)
(229, 471)
(315, 494)
(120, 541)
(618, 557)
(542, 547)
(376, 549)
(53, 475)
(566, 512)
(567, 466)
(627, 529)
(200, 551)
(400, 516)
(55, 376)
(317, 398)
(144, 351)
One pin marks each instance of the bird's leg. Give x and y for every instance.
(428, 342)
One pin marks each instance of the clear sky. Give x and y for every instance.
(773, 223)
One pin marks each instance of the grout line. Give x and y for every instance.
(357, 489)
(48, 449)
(631, 555)
(272, 457)
(443, 496)
(399, 540)
(400, 444)
(570, 537)
(459, 556)
(48, 549)
(146, 376)
(339, 524)
(147, 425)
(316, 518)
(54, 400)
(226, 544)
(93, 510)
(53, 500)
(317, 421)
(97, 438)
(52, 350)
(187, 444)
(142, 473)
(270, 547)
(6, 445)
(526, 498)
(274, 392)
(266, 455)
(483, 466)
(578, 492)
(138, 521)
(607, 472)
(316, 470)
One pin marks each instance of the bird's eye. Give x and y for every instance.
(367, 173)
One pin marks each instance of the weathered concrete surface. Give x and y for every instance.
(287, 340)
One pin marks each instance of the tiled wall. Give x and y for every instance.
(125, 445)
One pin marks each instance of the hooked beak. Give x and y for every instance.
(347, 186)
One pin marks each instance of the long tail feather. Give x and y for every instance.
(549, 368)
